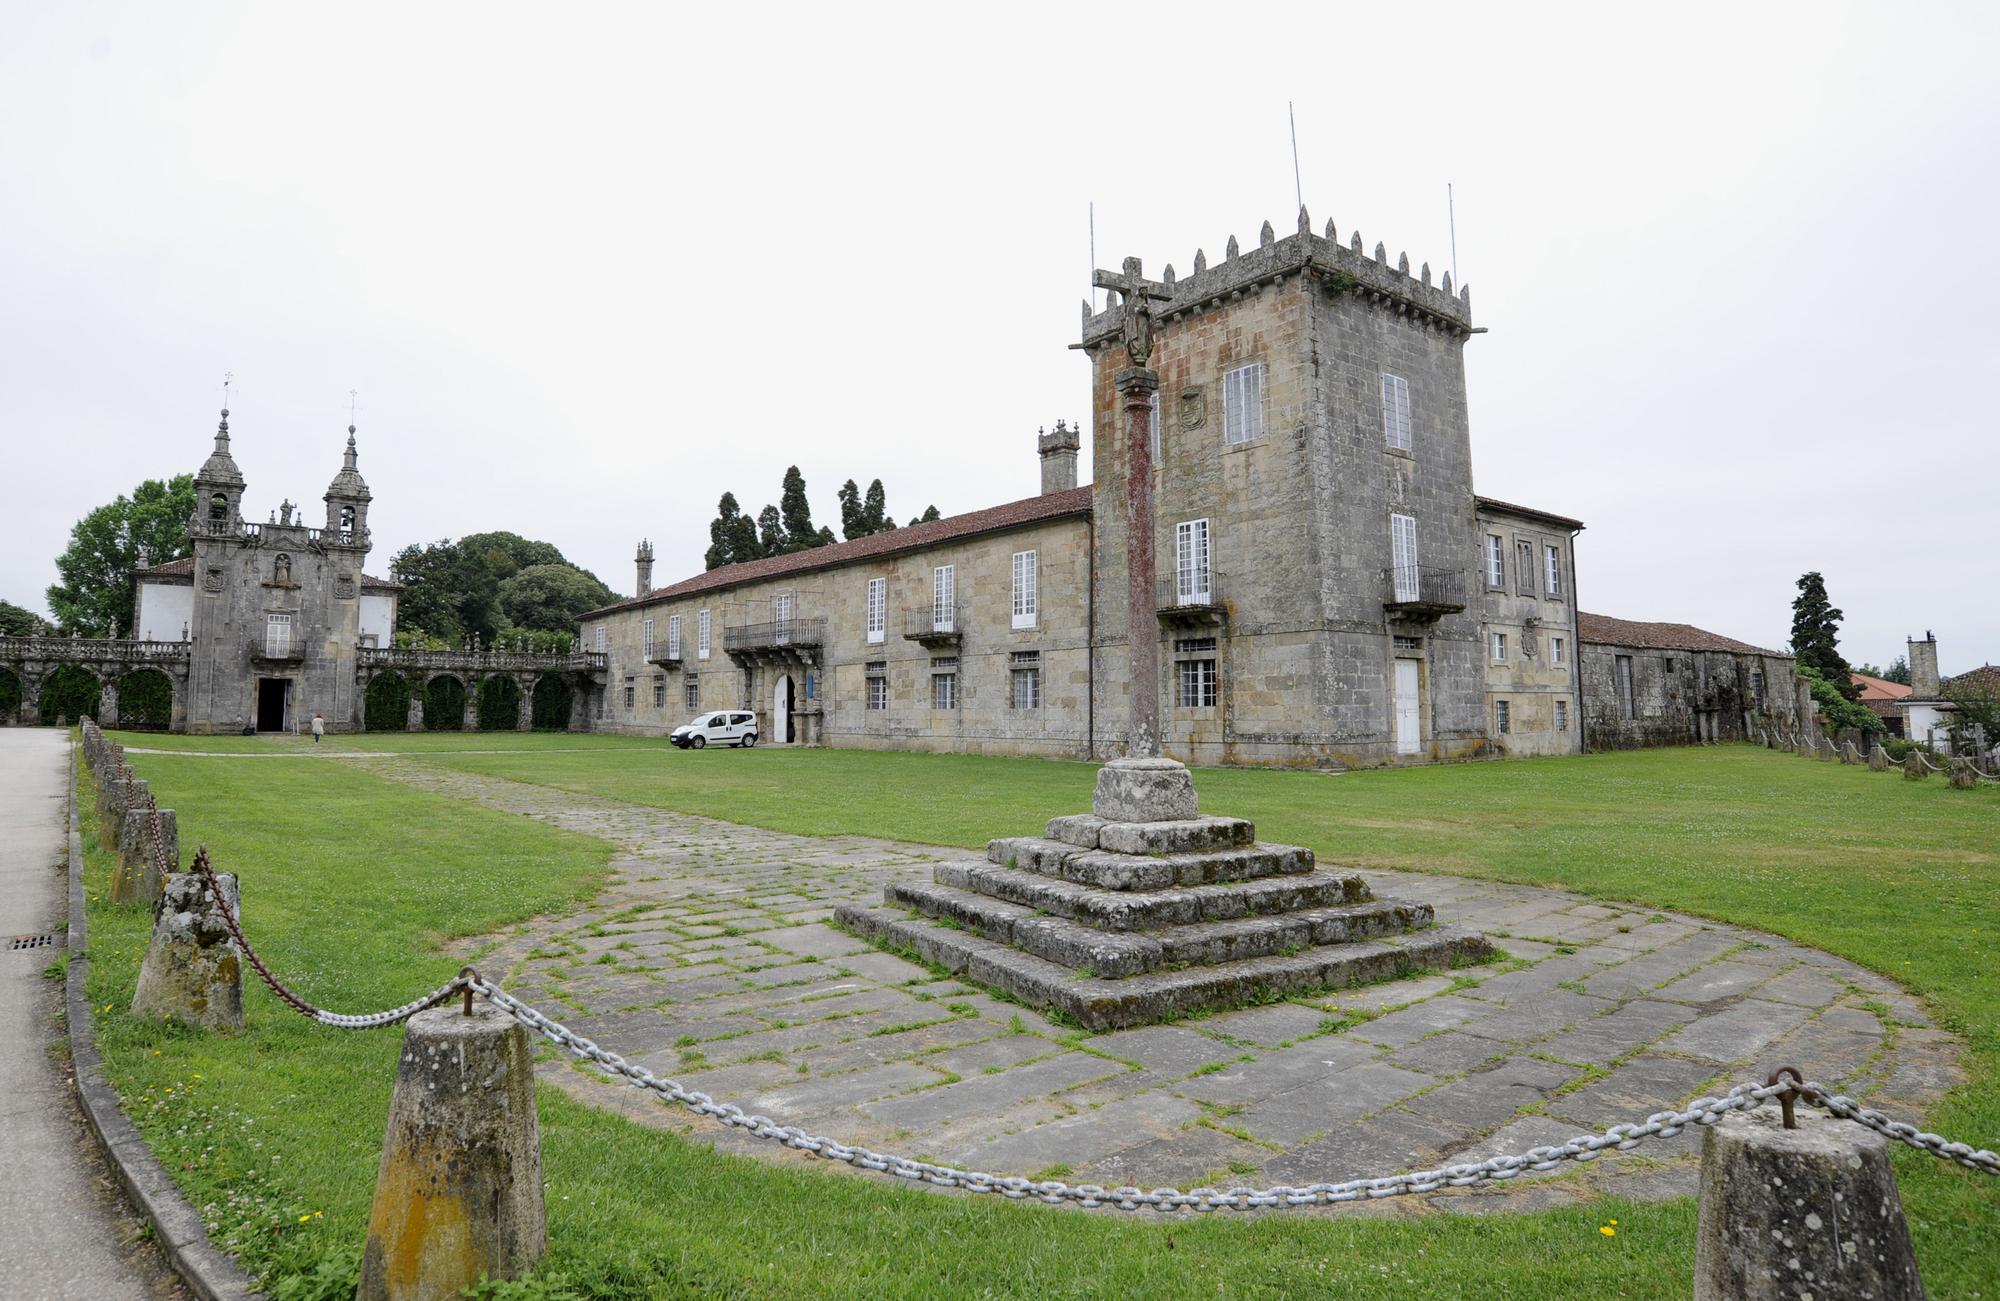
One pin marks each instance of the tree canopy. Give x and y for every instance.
(734, 536)
(95, 596)
(1816, 636)
(17, 622)
(1898, 670)
(490, 585)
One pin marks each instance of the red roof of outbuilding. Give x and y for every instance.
(1662, 636)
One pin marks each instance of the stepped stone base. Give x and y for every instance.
(1117, 919)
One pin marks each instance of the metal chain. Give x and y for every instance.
(367, 1021)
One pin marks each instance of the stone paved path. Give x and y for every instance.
(709, 960)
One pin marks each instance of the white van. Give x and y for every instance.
(724, 726)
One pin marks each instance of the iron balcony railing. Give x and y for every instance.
(287, 651)
(394, 657)
(1191, 590)
(775, 635)
(933, 622)
(1420, 589)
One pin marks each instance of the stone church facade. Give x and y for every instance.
(1331, 589)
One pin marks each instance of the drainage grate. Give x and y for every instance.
(32, 942)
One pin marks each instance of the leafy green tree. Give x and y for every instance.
(452, 590)
(506, 554)
(17, 622)
(1976, 723)
(732, 535)
(69, 692)
(1816, 636)
(930, 513)
(95, 596)
(1835, 709)
(549, 597)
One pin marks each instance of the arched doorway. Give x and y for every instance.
(444, 704)
(69, 692)
(499, 704)
(552, 703)
(781, 711)
(146, 701)
(386, 707)
(10, 697)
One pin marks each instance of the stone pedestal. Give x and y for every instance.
(1144, 790)
(1788, 1213)
(458, 1196)
(193, 972)
(137, 879)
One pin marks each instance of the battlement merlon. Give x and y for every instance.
(1340, 269)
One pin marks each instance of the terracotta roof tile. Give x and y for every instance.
(1874, 689)
(994, 519)
(1494, 503)
(1662, 636)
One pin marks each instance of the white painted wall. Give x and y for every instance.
(378, 616)
(1928, 723)
(164, 609)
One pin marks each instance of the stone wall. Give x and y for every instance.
(1685, 697)
(1536, 674)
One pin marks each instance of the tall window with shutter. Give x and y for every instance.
(1243, 404)
(673, 636)
(1496, 562)
(944, 598)
(600, 638)
(1403, 557)
(1553, 567)
(878, 609)
(1396, 411)
(278, 636)
(1024, 589)
(646, 638)
(1191, 568)
(701, 635)
(781, 618)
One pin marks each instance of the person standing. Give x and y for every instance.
(319, 727)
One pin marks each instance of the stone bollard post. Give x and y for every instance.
(1789, 1213)
(458, 1195)
(1878, 759)
(137, 879)
(1913, 766)
(121, 795)
(193, 971)
(1962, 777)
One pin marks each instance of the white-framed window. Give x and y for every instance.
(277, 635)
(601, 638)
(944, 598)
(1396, 411)
(1562, 715)
(1553, 567)
(1193, 578)
(691, 692)
(878, 684)
(1496, 646)
(944, 682)
(781, 618)
(1243, 404)
(702, 634)
(1025, 687)
(1496, 561)
(1025, 606)
(673, 636)
(1197, 684)
(1558, 651)
(878, 610)
(1405, 577)
(1502, 720)
(1153, 428)
(659, 693)
(646, 640)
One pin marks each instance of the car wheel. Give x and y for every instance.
(750, 740)
(700, 742)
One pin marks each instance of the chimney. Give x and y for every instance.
(1058, 451)
(1924, 683)
(645, 562)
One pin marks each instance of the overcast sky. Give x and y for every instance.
(590, 267)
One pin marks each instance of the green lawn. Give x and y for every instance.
(356, 873)
(384, 742)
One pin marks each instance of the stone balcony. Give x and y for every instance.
(934, 627)
(1422, 593)
(1192, 599)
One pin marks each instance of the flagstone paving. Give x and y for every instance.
(709, 959)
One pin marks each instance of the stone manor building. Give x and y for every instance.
(1331, 589)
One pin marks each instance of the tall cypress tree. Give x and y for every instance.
(724, 533)
(1816, 635)
(771, 527)
(850, 511)
(875, 509)
(800, 531)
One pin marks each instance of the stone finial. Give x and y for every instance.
(1465, 295)
(1305, 221)
(1331, 238)
(1426, 276)
(1168, 278)
(1085, 304)
(1266, 237)
(1381, 253)
(1200, 261)
(1403, 263)
(1229, 250)
(1355, 242)
(1447, 284)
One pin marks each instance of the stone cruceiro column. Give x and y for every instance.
(1790, 1213)
(458, 1196)
(138, 876)
(193, 971)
